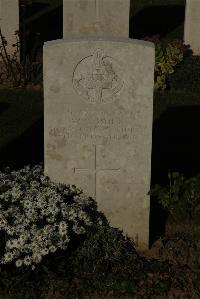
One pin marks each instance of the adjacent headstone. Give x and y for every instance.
(9, 21)
(83, 18)
(192, 25)
(98, 111)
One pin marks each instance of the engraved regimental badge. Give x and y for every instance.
(98, 78)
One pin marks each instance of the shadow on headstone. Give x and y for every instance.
(156, 20)
(34, 8)
(40, 22)
(175, 147)
(28, 149)
(49, 25)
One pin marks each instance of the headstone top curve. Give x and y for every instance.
(101, 38)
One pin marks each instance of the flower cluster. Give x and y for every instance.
(169, 53)
(37, 216)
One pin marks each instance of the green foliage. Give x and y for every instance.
(187, 75)
(15, 70)
(168, 54)
(180, 197)
(98, 258)
(106, 263)
(37, 219)
(167, 57)
(103, 263)
(166, 60)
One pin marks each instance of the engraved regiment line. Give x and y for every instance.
(95, 170)
(121, 134)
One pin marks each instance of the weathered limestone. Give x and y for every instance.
(83, 18)
(192, 25)
(9, 21)
(98, 111)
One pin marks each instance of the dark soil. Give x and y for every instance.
(181, 247)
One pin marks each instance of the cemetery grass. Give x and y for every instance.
(21, 123)
(19, 109)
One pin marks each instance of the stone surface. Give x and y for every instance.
(98, 111)
(9, 21)
(192, 25)
(83, 18)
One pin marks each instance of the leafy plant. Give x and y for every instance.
(20, 66)
(53, 238)
(107, 264)
(181, 196)
(38, 216)
(168, 54)
(9, 63)
(16, 71)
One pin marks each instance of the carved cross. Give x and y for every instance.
(101, 77)
(95, 170)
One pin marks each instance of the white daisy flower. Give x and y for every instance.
(63, 225)
(17, 243)
(18, 263)
(78, 230)
(8, 257)
(22, 238)
(10, 231)
(37, 258)
(27, 204)
(9, 244)
(33, 267)
(62, 231)
(52, 248)
(45, 251)
(27, 261)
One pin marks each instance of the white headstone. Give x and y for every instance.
(95, 18)
(9, 21)
(192, 25)
(98, 111)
